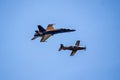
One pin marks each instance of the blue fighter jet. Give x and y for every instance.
(49, 31)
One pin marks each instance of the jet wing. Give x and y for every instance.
(45, 37)
(73, 53)
(77, 43)
(41, 28)
(56, 31)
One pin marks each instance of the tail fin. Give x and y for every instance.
(50, 27)
(61, 47)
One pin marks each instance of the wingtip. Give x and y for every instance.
(32, 39)
(43, 41)
(78, 40)
(71, 55)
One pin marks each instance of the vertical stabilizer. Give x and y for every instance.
(50, 27)
(61, 47)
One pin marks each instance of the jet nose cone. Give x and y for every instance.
(68, 30)
(85, 48)
(72, 30)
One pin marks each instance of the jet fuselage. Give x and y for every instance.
(52, 32)
(74, 48)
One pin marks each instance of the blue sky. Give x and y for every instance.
(98, 28)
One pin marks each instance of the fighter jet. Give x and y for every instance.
(49, 31)
(72, 48)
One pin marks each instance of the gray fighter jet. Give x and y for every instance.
(49, 31)
(72, 48)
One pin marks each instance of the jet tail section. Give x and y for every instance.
(61, 47)
(50, 27)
